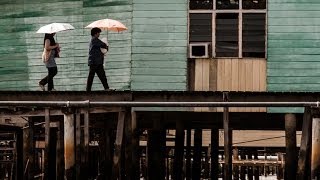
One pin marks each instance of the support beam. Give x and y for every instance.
(315, 153)
(69, 146)
(78, 144)
(214, 154)
(196, 166)
(118, 146)
(156, 151)
(86, 137)
(227, 145)
(178, 151)
(47, 143)
(235, 167)
(28, 150)
(188, 155)
(128, 146)
(60, 151)
(291, 146)
(135, 169)
(305, 147)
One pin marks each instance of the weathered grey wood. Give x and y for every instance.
(188, 155)
(60, 151)
(118, 145)
(128, 136)
(315, 155)
(47, 143)
(214, 154)
(250, 168)
(179, 151)
(78, 144)
(108, 152)
(243, 167)
(227, 145)
(256, 174)
(305, 147)
(69, 146)
(291, 146)
(19, 166)
(196, 166)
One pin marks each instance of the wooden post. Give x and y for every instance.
(135, 170)
(196, 166)
(60, 151)
(86, 138)
(291, 147)
(128, 144)
(243, 167)
(47, 143)
(78, 144)
(156, 151)
(214, 154)
(188, 155)
(178, 151)
(69, 146)
(315, 155)
(256, 173)
(28, 151)
(227, 145)
(235, 167)
(118, 146)
(305, 147)
(250, 168)
(19, 162)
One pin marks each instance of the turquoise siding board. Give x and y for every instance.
(293, 47)
(20, 47)
(159, 45)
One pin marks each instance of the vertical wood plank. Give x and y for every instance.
(315, 152)
(227, 145)
(69, 146)
(86, 138)
(178, 151)
(214, 153)
(78, 140)
(198, 75)
(196, 166)
(220, 77)
(227, 75)
(135, 173)
(60, 151)
(213, 75)
(234, 79)
(242, 79)
(188, 155)
(205, 79)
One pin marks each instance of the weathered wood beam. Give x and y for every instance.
(47, 143)
(118, 146)
(304, 161)
(188, 155)
(315, 152)
(28, 150)
(85, 145)
(235, 167)
(135, 169)
(60, 151)
(78, 144)
(291, 146)
(227, 145)
(178, 151)
(128, 144)
(69, 146)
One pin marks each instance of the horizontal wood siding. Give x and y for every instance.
(231, 75)
(21, 66)
(159, 45)
(293, 47)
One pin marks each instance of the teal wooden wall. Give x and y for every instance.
(293, 46)
(20, 47)
(159, 45)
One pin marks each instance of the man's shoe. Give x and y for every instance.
(42, 87)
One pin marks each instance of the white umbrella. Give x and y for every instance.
(108, 24)
(55, 27)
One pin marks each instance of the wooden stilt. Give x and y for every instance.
(118, 146)
(78, 144)
(188, 155)
(315, 153)
(256, 170)
(227, 145)
(291, 147)
(214, 154)
(69, 146)
(135, 170)
(84, 159)
(305, 147)
(235, 167)
(128, 144)
(250, 168)
(47, 143)
(196, 166)
(179, 151)
(243, 168)
(28, 150)
(60, 151)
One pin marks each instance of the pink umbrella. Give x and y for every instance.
(108, 24)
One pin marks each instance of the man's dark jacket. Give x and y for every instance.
(96, 57)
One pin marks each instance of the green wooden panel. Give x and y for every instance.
(159, 57)
(293, 6)
(294, 1)
(160, 79)
(159, 71)
(294, 29)
(143, 86)
(293, 80)
(161, 14)
(298, 21)
(289, 58)
(294, 43)
(294, 65)
(289, 51)
(160, 2)
(294, 36)
(160, 6)
(159, 28)
(293, 72)
(160, 21)
(293, 14)
(159, 64)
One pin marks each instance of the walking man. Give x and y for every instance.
(96, 60)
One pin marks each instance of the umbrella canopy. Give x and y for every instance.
(55, 27)
(108, 24)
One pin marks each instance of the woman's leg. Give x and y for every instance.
(52, 72)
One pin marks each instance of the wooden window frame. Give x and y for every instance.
(239, 11)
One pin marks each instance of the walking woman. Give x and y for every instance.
(51, 51)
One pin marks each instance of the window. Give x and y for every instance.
(234, 28)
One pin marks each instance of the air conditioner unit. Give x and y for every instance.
(199, 50)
